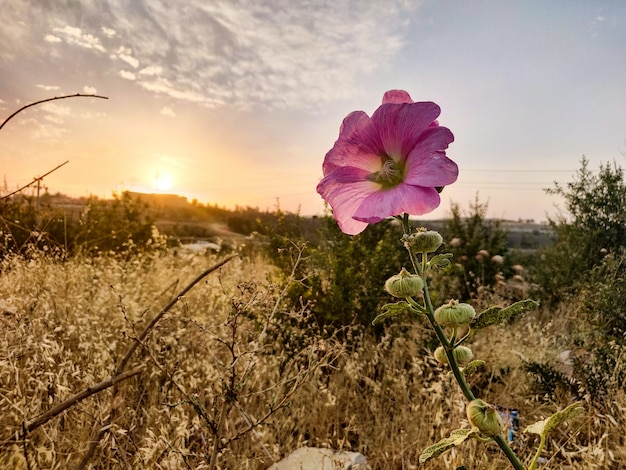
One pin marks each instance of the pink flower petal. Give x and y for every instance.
(358, 145)
(414, 200)
(427, 164)
(400, 125)
(397, 97)
(343, 175)
(344, 199)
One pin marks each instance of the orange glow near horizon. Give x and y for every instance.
(162, 181)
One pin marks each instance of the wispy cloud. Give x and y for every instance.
(52, 38)
(48, 87)
(238, 52)
(127, 75)
(167, 111)
(74, 35)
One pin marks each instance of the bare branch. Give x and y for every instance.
(155, 320)
(51, 99)
(51, 413)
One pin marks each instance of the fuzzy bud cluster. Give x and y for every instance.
(455, 314)
(423, 241)
(404, 284)
(462, 355)
(484, 416)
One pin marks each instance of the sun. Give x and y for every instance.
(162, 181)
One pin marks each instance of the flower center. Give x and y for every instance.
(391, 173)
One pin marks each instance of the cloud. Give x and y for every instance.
(90, 90)
(53, 118)
(74, 35)
(241, 53)
(108, 32)
(48, 87)
(125, 54)
(127, 75)
(151, 70)
(167, 111)
(165, 87)
(57, 109)
(52, 38)
(49, 133)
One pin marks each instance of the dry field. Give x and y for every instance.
(232, 377)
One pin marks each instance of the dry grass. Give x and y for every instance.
(65, 325)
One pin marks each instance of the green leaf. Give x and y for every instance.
(391, 310)
(543, 427)
(440, 261)
(457, 437)
(496, 315)
(472, 367)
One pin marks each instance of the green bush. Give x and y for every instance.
(586, 268)
(473, 240)
(121, 225)
(341, 276)
(601, 336)
(594, 224)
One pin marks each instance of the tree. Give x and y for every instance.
(593, 226)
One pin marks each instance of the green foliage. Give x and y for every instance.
(594, 224)
(601, 334)
(597, 338)
(349, 272)
(342, 277)
(473, 240)
(544, 427)
(121, 225)
(548, 381)
(496, 315)
(392, 310)
(588, 262)
(457, 437)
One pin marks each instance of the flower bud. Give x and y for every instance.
(440, 355)
(484, 416)
(404, 284)
(454, 314)
(462, 355)
(423, 241)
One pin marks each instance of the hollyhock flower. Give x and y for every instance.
(386, 165)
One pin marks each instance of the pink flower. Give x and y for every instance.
(386, 165)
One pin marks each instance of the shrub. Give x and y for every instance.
(601, 336)
(594, 224)
(121, 225)
(473, 240)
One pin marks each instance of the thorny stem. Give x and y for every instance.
(420, 269)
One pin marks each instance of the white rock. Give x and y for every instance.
(314, 458)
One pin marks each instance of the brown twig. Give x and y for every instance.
(76, 95)
(92, 390)
(39, 178)
(122, 365)
(133, 347)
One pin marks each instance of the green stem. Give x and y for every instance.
(420, 269)
(542, 443)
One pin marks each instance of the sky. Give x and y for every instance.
(236, 102)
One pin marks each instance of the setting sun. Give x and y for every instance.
(162, 181)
